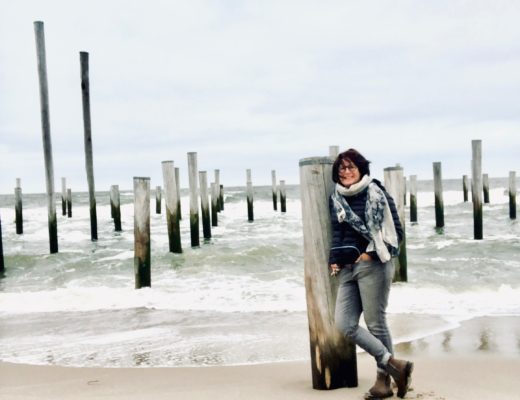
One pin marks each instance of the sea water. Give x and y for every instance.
(239, 298)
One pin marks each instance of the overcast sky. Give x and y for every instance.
(260, 85)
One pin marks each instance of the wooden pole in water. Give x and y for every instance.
(158, 199)
(214, 204)
(217, 182)
(413, 198)
(333, 357)
(333, 152)
(249, 192)
(18, 207)
(2, 265)
(221, 198)
(485, 187)
(69, 203)
(283, 197)
(465, 186)
(46, 135)
(273, 184)
(89, 162)
(112, 206)
(204, 205)
(439, 203)
(142, 250)
(476, 185)
(194, 204)
(178, 187)
(404, 190)
(512, 194)
(172, 207)
(63, 196)
(116, 204)
(394, 186)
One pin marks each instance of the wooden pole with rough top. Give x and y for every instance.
(439, 202)
(172, 207)
(204, 205)
(194, 204)
(142, 248)
(18, 207)
(512, 194)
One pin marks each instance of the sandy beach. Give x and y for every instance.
(478, 360)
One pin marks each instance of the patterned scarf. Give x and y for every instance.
(378, 227)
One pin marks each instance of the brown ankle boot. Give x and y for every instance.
(401, 371)
(381, 389)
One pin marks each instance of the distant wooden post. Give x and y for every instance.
(63, 196)
(217, 182)
(476, 186)
(69, 203)
(413, 198)
(404, 190)
(46, 135)
(171, 206)
(394, 186)
(333, 357)
(18, 207)
(485, 187)
(465, 186)
(273, 184)
(116, 204)
(512, 194)
(221, 196)
(194, 204)
(2, 265)
(283, 197)
(439, 203)
(142, 250)
(204, 205)
(333, 152)
(112, 206)
(214, 204)
(89, 163)
(178, 186)
(249, 192)
(158, 199)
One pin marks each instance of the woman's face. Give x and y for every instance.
(348, 173)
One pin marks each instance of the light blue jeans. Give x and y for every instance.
(364, 287)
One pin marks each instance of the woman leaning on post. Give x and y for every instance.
(365, 236)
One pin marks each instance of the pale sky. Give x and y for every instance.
(260, 85)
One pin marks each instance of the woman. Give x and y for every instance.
(365, 235)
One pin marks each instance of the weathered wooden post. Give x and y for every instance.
(204, 205)
(439, 202)
(172, 207)
(115, 204)
(215, 195)
(249, 192)
(69, 203)
(18, 207)
(394, 186)
(221, 196)
(46, 135)
(476, 186)
(512, 194)
(2, 265)
(333, 357)
(333, 152)
(89, 163)
(63, 196)
(465, 186)
(112, 205)
(283, 197)
(158, 199)
(413, 198)
(485, 187)
(217, 182)
(178, 186)
(194, 204)
(273, 184)
(404, 190)
(142, 251)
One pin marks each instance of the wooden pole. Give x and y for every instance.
(63, 196)
(249, 192)
(172, 207)
(217, 182)
(283, 197)
(18, 207)
(89, 162)
(115, 200)
(394, 186)
(158, 199)
(465, 186)
(439, 203)
(221, 198)
(413, 198)
(204, 205)
(333, 357)
(273, 184)
(215, 195)
(112, 204)
(142, 250)
(69, 203)
(2, 264)
(194, 204)
(46, 135)
(333, 152)
(485, 187)
(512, 194)
(404, 190)
(178, 187)
(476, 186)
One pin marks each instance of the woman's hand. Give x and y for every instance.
(334, 269)
(363, 257)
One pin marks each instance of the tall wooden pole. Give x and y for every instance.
(221, 196)
(142, 250)
(158, 199)
(171, 202)
(394, 186)
(46, 135)
(89, 163)
(2, 264)
(194, 204)
(63, 196)
(249, 192)
(283, 197)
(69, 203)
(204, 205)
(476, 185)
(273, 184)
(333, 357)
(439, 202)
(465, 186)
(217, 182)
(512, 194)
(116, 204)
(485, 187)
(18, 207)
(112, 204)
(413, 198)
(178, 187)
(214, 204)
